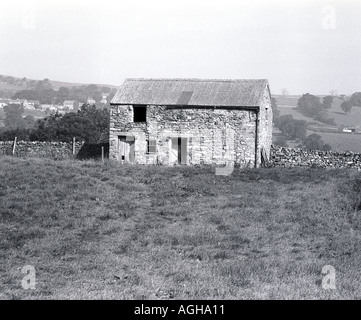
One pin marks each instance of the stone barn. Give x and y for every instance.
(191, 122)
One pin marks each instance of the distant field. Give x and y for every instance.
(296, 114)
(111, 231)
(285, 105)
(342, 119)
(338, 141)
(341, 141)
(351, 119)
(286, 100)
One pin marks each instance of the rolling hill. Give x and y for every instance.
(16, 84)
(286, 104)
(337, 140)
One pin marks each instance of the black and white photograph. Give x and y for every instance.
(178, 151)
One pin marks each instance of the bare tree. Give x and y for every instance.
(284, 92)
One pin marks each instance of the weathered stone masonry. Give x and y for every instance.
(295, 157)
(215, 127)
(38, 149)
(207, 131)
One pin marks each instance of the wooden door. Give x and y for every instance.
(126, 149)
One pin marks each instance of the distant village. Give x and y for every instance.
(65, 107)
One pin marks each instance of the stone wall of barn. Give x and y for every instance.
(214, 136)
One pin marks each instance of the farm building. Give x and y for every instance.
(191, 121)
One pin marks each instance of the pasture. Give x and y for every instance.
(110, 231)
(341, 141)
(287, 105)
(297, 115)
(286, 101)
(353, 118)
(338, 141)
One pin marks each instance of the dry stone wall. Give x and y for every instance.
(38, 149)
(279, 156)
(293, 157)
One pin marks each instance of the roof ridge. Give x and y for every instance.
(192, 79)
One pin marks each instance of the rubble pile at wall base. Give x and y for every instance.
(39, 149)
(294, 157)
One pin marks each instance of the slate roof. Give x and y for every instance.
(191, 92)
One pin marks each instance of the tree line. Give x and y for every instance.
(311, 106)
(353, 101)
(89, 124)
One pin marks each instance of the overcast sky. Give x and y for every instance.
(304, 46)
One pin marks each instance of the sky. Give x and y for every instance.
(304, 46)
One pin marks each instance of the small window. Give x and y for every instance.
(152, 146)
(140, 113)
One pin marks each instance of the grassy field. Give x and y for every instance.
(286, 105)
(297, 115)
(351, 119)
(289, 100)
(341, 119)
(341, 141)
(338, 141)
(106, 231)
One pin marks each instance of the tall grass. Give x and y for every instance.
(110, 231)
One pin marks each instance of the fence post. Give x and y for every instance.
(102, 154)
(14, 146)
(73, 146)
